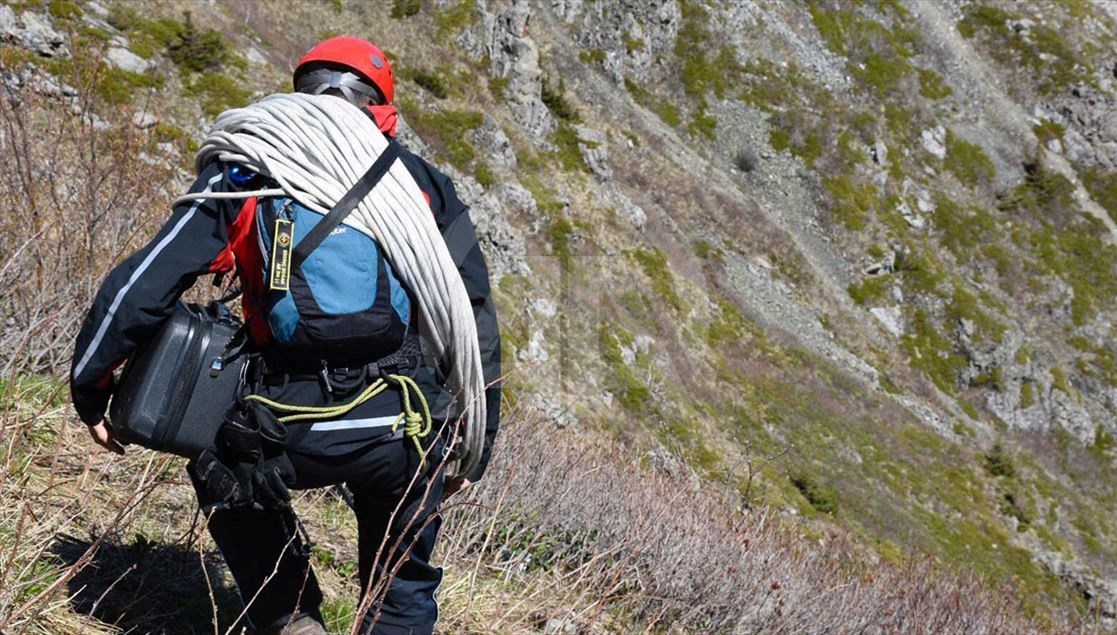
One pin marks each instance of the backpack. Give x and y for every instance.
(337, 301)
(343, 302)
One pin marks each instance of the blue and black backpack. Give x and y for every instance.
(329, 293)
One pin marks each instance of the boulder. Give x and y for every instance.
(126, 60)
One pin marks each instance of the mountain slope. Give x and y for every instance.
(853, 261)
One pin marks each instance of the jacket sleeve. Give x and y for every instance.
(141, 292)
(460, 235)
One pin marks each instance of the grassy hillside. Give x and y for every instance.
(841, 275)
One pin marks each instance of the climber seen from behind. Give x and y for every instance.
(340, 322)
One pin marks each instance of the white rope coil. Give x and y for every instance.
(316, 147)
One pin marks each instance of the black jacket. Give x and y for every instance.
(140, 292)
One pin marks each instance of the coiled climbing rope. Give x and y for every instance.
(316, 147)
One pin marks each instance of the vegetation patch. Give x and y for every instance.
(878, 55)
(967, 161)
(431, 82)
(594, 57)
(932, 86)
(1103, 188)
(218, 92)
(823, 498)
(871, 290)
(446, 130)
(933, 353)
(1064, 242)
(654, 264)
(964, 231)
(455, 18)
(632, 393)
(1047, 130)
(850, 201)
(666, 110)
(729, 327)
(1041, 49)
(405, 8)
(999, 463)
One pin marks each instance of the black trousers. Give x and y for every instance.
(394, 546)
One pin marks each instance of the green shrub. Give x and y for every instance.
(431, 82)
(555, 101)
(703, 124)
(870, 290)
(633, 44)
(1103, 189)
(701, 74)
(1045, 52)
(964, 231)
(967, 161)
(984, 17)
(146, 36)
(405, 8)
(823, 498)
(933, 353)
(878, 56)
(116, 86)
(1027, 395)
(1047, 130)
(667, 111)
(218, 92)
(1103, 442)
(455, 18)
(779, 139)
(198, 50)
(999, 463)
(560, 232)
(484, 175)
(632, 393)
(654, 263)
(1043, 194)
(1059, 380)
(568, 152)
(497, 86)
(932, 86)
(592, 56)
(850, 202)
(64, 10)
(1064, 242)
(447, 130)
(728, 328)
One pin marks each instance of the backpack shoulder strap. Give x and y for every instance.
(346, 204)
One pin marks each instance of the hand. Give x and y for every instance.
(102, 436)
(453, 487)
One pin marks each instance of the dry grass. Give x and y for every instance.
(563, 531)
(77, 197)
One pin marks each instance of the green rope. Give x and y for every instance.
(416, 424)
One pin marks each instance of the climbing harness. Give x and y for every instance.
(416, 423)
(316, 147)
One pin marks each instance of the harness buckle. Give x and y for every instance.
(324, 375)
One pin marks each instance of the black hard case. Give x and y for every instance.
(169, 397)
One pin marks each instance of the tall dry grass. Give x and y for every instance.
(581, 534)
(77, 194)
(565, 533)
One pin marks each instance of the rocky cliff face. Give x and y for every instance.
(874, 240)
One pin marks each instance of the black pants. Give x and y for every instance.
(378, 468)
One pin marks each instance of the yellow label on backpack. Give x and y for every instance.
(279, 277)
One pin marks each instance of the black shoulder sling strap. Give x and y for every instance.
(346, 204)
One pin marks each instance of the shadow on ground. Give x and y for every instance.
(147, 587)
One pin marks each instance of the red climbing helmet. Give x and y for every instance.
(325, 67)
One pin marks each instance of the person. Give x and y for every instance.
(270, 565)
